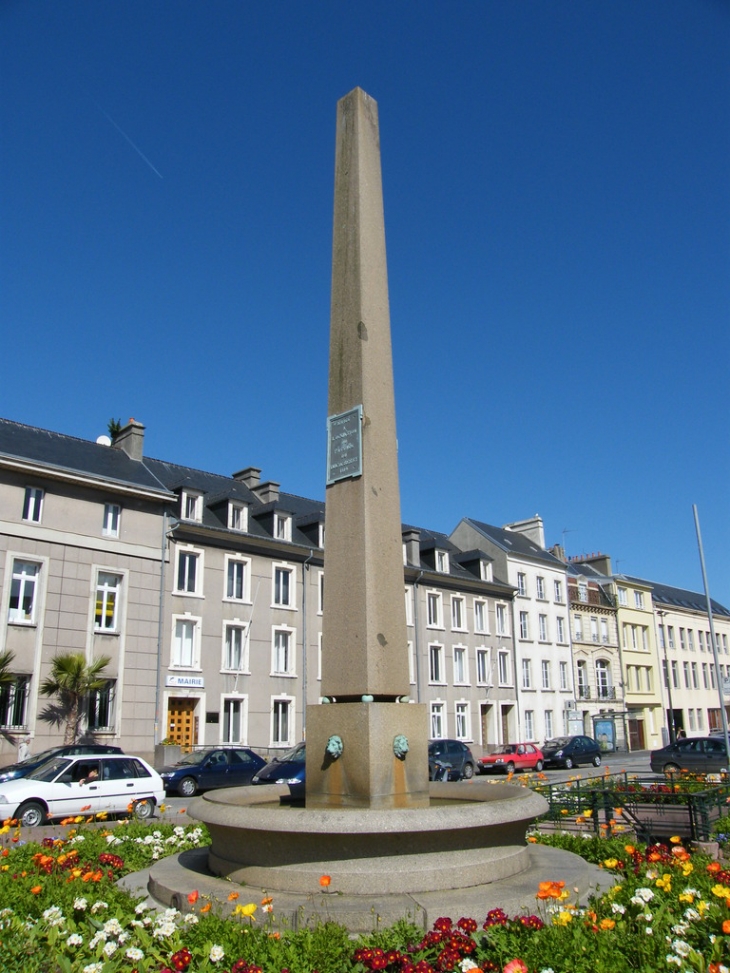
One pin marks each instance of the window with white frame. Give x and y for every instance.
(549, 724)
(485, 570)
(542, 624)
(558, 590)
(112, 519)
(675, 674)
(691, 641)
(320, 593)
(283, 587)
(582, 591)
(638, 599)
(603, 679)
(563, 672)
(526, 674)
(685, 669)
(529, 724)
(235, 712)
(33, 504)
(320, 535)
(700, 720)
(500, 613)
(185, 643)
(282, 663)
(524, 626)
(604, 630)
(238, 573)
(670, 636)
(540, 588)
(237, 515)
(582, 673)
(463, 729)
(682, 640)
(458, 613)
(484, 669)
(480, 616)
(23, 592)
(282, 721)
(578, 628)
(461, 668)
(409, 605)
(436, 663)
(594, 629)
(503, 668)
(235, 647)
(705, 679)
(695, 676)
(433, 609)
(411, 665)
(282, 527)
(100, 707)
(438, 728)
(692, 723)
(106, 613)
(442, 562)
(545, 671)
(521, 583)
(14, 703)
(560, 625)
(189, 575)
(191, 506)
(623, 597)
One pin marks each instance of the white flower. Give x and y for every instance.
(112, 926)
(122, 937)
(467, 964)
(77, 839)
(642, 895)
(134, 954)
(81, 904)
(75, 940)
(99, 937)
(54, 916)
(692, 915)
(216, 954)
(681, 948)
(680, 928)
(110, 948)
(140, 908)
(671, 958)
(190, 919)
(649, 931)
(617, 907)
(98, 906)
(93, 968)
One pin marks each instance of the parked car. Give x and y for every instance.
(24, 767)
(512, 757)
(455, 754)
(82, 784)
(571, 752)
(211, 767)
(289, 769)
(698, 755)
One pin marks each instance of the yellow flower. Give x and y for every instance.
(246, 911)
(721, 891)
(665, 882)
(702, 907)
(687, 897)
(563, 918)
(611, 862)
(588, 813)
(687, 868)
(675, 839)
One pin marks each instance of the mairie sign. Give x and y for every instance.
(185, 682)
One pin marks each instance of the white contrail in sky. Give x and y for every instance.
(139, 152)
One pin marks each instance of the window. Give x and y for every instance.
(433, 609)
(705, 680)
(191, 506)
(500, 612)
(483, 667)
(461, 673)
(545, 668)
(188, 575)
(548, 724)
(107, 601)
(282, 527)
(480, 616)
(638, 599)
(529, 724)
(603, 679)
(578, 628)
(622, 596)
(442, 562)
(695, 676)
(485, 570)
(411, 664)
(437, 721)
(594, 629)
(604, 630)
(670, 636)
(14, 703)
(660, 634)
(184, 649)
(691, 642)
(540, 588)
(542, 624)
(320, 594)
(521, 583)
(283, 587)
(582, 591)
(701, 640)
(665, 671)
(100, 709)
(524, 626)
(644, 638)
(503, 663)
(700, 720)
(33, 504)
(457, 613)
(237, 583)
(235, 656)
(435, 663)
(234, 719)
(560, 623)
(283, 654)
(23, 592)
(462, 721)
(563, 669)
(692, 723)
(282, 722)
(526, 674)
(682, 640)
(237, 516)
(685, 668)
(558, 587)
(110, 524)
(582, 673)
(675, 674)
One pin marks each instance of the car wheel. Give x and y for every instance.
(671, 769)
(538, 766)
(597, 761)
(509, 768)
(568, 763)
(32, 814)
(144, 809)
(187, 786)
(468, 771)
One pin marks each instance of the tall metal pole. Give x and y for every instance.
(672, 729)
(718, 674)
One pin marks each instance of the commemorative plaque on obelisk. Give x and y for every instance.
(366, 743)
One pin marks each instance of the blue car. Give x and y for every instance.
(211, 767)
(288, 769)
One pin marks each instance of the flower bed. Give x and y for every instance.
(63, 912)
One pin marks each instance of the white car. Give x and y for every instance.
(83, 784)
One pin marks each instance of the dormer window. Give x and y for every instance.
(320, 534)
(442, 562)
(282, 527)
(485, 570)
(582, 591)
(191, 506)
(33, 505)
(237, 516)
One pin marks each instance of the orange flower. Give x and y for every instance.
(86, 807)
(714, 867)
(182, 810)
(37, 889)
(206, 907)
(324, 881)
(726, 927)
(274, 935)
(607, 923)
(233, 896)
(193, 897)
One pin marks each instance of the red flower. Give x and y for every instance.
(193, 897)
(324, 881)
(515, 966)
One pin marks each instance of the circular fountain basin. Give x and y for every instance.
(471, 834)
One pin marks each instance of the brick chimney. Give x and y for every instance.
(130, 438)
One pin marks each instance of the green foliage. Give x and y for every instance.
(71, 680)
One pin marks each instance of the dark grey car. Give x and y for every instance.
(698, 755)
(454, 755)
(571, 752)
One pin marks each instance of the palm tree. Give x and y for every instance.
(72, 679)
(6, 675)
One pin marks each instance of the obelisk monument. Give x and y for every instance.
(366, 743)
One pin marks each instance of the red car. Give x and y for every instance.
(512, 757)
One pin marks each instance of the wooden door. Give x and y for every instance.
(181, 722)
(484, 714)
(636, 735)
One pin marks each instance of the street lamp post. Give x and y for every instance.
(668, 676)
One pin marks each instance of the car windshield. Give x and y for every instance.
(557, 743)
(50, 768)
(297, 753)
(194, 758)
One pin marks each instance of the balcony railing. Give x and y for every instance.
(601, 692)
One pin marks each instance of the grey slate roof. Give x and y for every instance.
(664, 594)
(513, 542)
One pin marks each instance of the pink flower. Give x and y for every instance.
(516, 966)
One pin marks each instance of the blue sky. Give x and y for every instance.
(557, 211)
